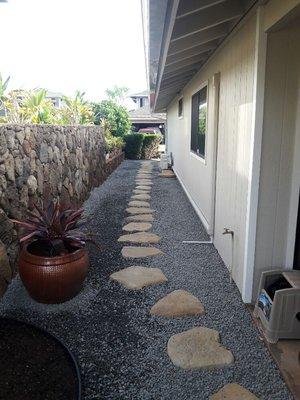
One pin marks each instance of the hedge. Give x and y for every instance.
(142, 146)
(150, 146)
(133, 146)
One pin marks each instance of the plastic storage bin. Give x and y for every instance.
(278, 305)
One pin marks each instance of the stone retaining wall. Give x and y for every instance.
(41, 162)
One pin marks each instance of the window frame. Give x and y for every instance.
(178, 101)
(200, 157)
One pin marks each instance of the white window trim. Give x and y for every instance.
(192, 153)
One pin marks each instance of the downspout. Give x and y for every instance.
(228, 231)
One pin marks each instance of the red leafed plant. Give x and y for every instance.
(56, 227)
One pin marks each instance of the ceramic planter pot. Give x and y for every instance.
(53, 280)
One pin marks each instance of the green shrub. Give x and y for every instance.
(116, 116)
(134, 145)
(150, 147)
(112, 142)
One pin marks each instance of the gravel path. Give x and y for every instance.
(122, 349)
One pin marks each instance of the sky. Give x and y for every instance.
(65, 45)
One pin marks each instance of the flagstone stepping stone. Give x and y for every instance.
(140, 237)
(233, 391)
(138, 203)
(141, 217)
(141, 196)
(198, 348)
(144, 182)
(167, 173)
(143, 187)
(140, 252)
(145, 171)
(176, 304)
(137, 227)
(138, 277)
(139, 210)
(143, 176)
(139, 191)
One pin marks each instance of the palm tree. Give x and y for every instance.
(77, 110)
(37, 108)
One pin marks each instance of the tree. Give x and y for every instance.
(76, 111)
(117, 94)
(117, 117)
(37, 109)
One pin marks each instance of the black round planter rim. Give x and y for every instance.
(60, 342)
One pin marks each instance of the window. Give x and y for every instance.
(199, 120)
(180, 108)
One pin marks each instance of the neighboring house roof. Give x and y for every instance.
(144, 93)
(54, 94)
(143, 115)
(182, 35)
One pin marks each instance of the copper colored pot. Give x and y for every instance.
(53, 280)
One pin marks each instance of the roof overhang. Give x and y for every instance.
(147, 120)
(183, 34)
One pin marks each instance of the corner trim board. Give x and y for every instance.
(255, 156)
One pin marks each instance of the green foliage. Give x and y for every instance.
(134, 145)
(142, 145)
(37, 109)
(150, 147)
(117, 94)
(32, 107)
(111, 142)
(3, 85)
(116, 116)
(76, 111)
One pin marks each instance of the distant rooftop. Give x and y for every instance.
(145, 93)
(143, 115)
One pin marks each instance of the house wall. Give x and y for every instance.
(280, 165)
(235, 63)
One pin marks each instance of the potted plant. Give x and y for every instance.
(53, 261)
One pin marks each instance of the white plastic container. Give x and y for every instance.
(163, 161)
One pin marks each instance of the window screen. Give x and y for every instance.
(199, 118)
(180, 107)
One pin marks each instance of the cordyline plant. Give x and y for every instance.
(57, 227)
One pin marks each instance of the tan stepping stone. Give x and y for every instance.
(139, 210)
(140, 237)
(145, 171)
(137, 227)
(177, 304)
(141, 217)
(140, 252)
(138, 277)
(143, 187)
(138, 203)
(198, 348)
(144, 182)
(143, 176)
(140, 191)
(167, 173)
(233, 391)
(141, 196)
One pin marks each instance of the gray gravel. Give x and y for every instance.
(121, 349)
